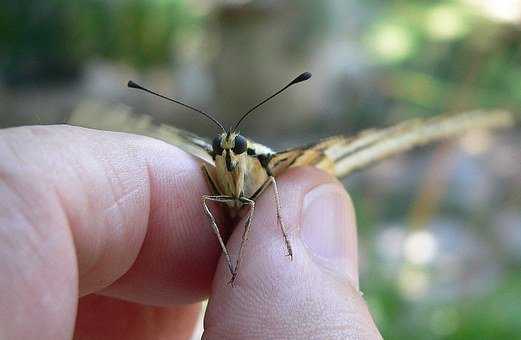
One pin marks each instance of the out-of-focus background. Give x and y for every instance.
(440, 228)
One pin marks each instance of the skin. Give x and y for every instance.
(102, 236)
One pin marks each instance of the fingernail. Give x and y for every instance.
(329, 229)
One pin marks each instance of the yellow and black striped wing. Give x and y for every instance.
(342, 155)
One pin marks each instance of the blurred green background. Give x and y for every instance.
(440, 228)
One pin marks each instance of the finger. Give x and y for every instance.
(315, 296)
(79, 203)
(101, 317)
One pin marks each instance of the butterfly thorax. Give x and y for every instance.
(238, 174)
(245, 180)
(231, 183)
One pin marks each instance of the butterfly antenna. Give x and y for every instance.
(134, 85)
(302, 77)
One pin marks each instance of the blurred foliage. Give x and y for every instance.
(52, 39)
(489, 316)
(139, 32)
(442, 56)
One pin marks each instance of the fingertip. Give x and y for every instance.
(132, 204)
(275, 297)
(318, 214)
(328, 230)
(179, 253)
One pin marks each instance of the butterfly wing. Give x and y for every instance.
(341, 155)
(308, 155)
(122, 120)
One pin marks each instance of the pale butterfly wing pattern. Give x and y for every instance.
(338, 155)
(341, 155)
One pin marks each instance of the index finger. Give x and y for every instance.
(131, 203)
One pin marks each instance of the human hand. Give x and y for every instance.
(103, 236)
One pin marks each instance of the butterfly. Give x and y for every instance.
(239, 170)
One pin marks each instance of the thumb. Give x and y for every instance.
(314, 296)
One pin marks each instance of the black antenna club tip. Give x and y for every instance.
(133, 85)
(303, 77)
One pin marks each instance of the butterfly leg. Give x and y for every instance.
(271, 180)
(247, 226)
(220, 199)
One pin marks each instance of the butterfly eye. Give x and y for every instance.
(240, 145)
(216, 146)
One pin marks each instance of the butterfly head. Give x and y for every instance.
(232, 146)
